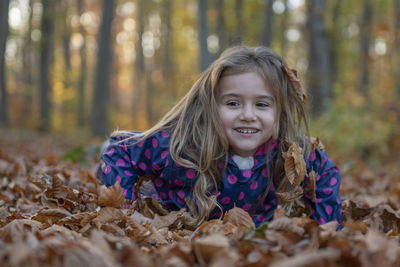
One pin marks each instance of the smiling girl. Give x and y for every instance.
(224, 144)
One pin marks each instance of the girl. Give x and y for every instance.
(226, 144)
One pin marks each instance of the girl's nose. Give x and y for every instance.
(247, 113)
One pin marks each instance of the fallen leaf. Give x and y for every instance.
(295, 166)
(238, 217)
(111, 196)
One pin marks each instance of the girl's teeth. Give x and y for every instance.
(246, 131)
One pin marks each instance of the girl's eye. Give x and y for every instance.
(232, 103)
(262, 104)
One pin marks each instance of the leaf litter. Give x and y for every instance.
(53, 212)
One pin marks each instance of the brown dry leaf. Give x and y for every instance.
(166, 221)
(286, 225)
(316, 143)
(212, 249)
(295, 81)
(313, 258)
(111, 196)
(238, 217)
(155, 206)
(385, 252)
(107, 215)
(295, 166)
(51, 215)
(310, 187)
(136, 230)
(16, 228)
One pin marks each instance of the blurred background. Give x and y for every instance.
(84, 68)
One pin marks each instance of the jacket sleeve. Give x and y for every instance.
(126, 160)
(328, 205)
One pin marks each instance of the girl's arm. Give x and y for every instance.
(126, 161)
(328, 205)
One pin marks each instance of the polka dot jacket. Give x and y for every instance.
(125, 162)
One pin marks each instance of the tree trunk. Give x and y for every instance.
(46, 62)
(139, 67)
(319, 81)
(238, 38)
(397, 44)
(204, 56)
(221, 28)
(82, 72)
(285, 17)
(266, 38)
(365, 43)
(335, 40)
(168, 68)
(3, 81)
(103, 72)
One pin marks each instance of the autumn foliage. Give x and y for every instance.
(54, 212)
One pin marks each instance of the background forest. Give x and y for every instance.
(84, 67)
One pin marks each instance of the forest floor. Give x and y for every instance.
(53, 212)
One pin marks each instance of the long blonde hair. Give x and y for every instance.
(198, 140)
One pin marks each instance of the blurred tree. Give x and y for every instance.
(239, 34)
(3, 82)
(82, 71)
(139, 65)
(365, 43)
(284, 26)
(168, 66)
(335, 40)
(221, 27)
(319, 82)
(397, 43)
(101, 90)
(204, 55)
(266, 35)
(46, 62)
(66, 32)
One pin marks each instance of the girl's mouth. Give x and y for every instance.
(246, 130)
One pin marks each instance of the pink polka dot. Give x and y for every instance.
(133, 163)
(110, 152)
(218, 213)
(321, 221)
(318, 200)
(246, 207)
(180, 201)
(272, 187)
(190, 173)
(260, 151)
(120, 163)
(267, 207)
(181, 194)
(255, 162)
(323, 161)
(261, 218)
(327, 191)
(178, 182)
(177, 164)
(154, 142)
(127, 158)
(254, 185)
(232, 179)
(166, 163)
(312, 157)
(133, 197)
(164, 133)
(118, 179)
(318, 177)
(107, 170)
(158, 182)
(265, 172)
(241, 196)
(164, 154)
(247, 173)
(328, 210)
(333, 181)
(124, 191)
(140, 144)
(163, 195)
(171, 194)
(142, 166)
(225, 200)
(338, 200)
(128, 173)
(147, 153)
(155, 167)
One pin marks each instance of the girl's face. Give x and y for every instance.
(247, 110)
